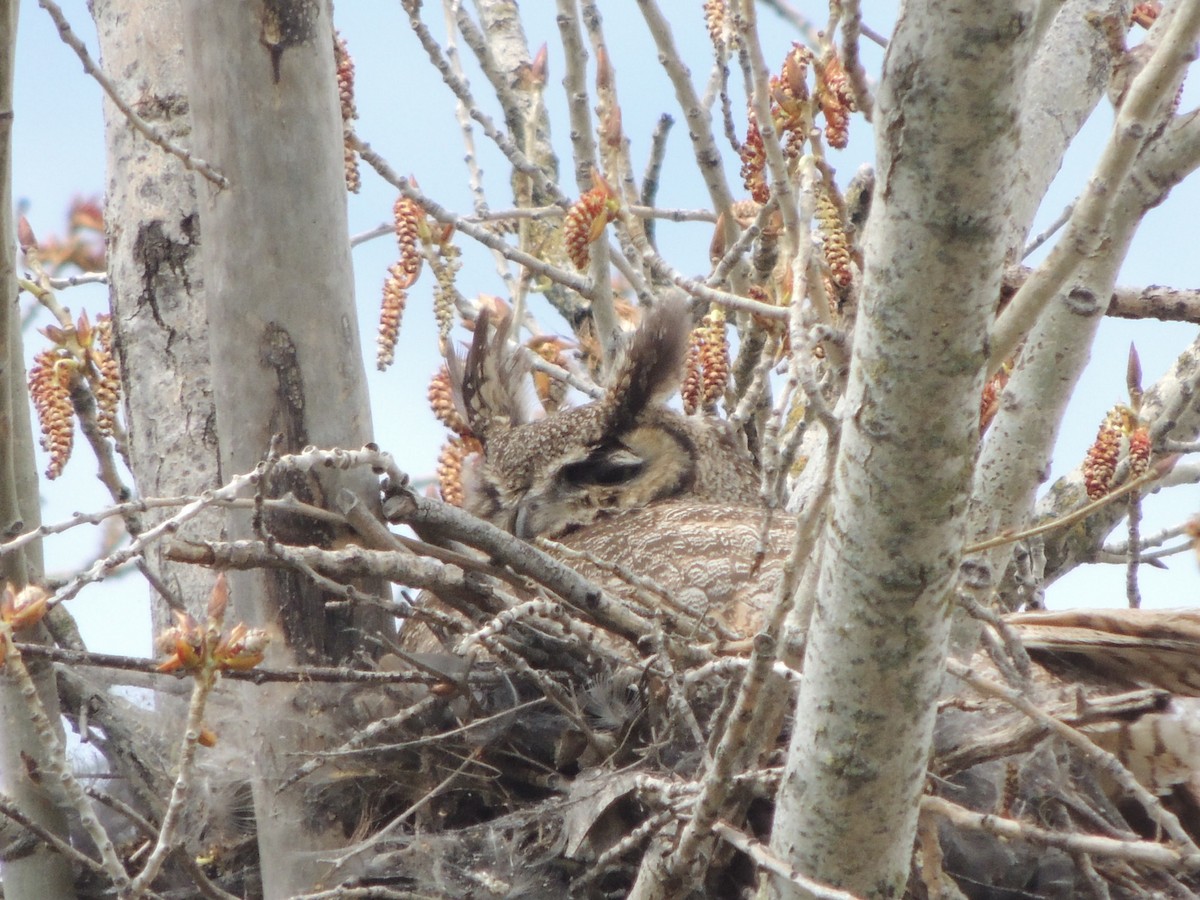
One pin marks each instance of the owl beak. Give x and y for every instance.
(525, 521)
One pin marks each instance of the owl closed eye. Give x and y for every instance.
(553, 475)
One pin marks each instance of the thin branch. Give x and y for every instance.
(1146, 853)
(796, 19)
(661, 268)
(765, 859)
(54, 762)
(852, 28)
(412, 509)
(1156, 472)
(758, 78)
(70, 281)
(147, 130)
(1134, 557)
(363, 738)
(567, 279)
(1137, 118)
(367, 844)
(1101, 759)
(453, 12)
(704, 145)
(653, 171)
(168, 833)
(12, 811)
(733, 255)
(462, 91)
(1166, 304)
(1050, 230)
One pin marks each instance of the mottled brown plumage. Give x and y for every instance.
(628, 450)
(662, 511)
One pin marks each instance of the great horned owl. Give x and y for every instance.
(625, 484)
(661, 510)
(554, 475)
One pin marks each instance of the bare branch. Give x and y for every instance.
(145, 128)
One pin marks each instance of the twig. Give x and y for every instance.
(1166, 304)
(633, 839)
(1101, 759)
(1156, 472)
(1063, 218)
(758, 77)
(462, 91)
(1136, 119)
(654, 164)
(765, 859)
(1155, 540)
(1134, 557)
(453, 11)
(100, 569)
(168, 832)
(83, 401)
(11, 810)
(852, 28)
(95, 518)
(70, 281)
(412, 509)
(654, 594)
(412, 810)
(538, 364)
(53, 761)
(700, 291)
(362, 738)
(735, 252)
(204, 884)
(537, 266)
(798, 20)
(147, 130)
(1146, 853)
(704, 145)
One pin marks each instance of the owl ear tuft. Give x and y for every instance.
(493, 380)
(652, 365)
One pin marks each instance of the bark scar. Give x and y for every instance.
(155, 250)
(277, 352)
(286, 24)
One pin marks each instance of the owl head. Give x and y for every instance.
(550, 475)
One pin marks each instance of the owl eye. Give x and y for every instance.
(604, 468)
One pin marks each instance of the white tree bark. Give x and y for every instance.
(285, 350)
(1017, 453)
(947, 138)
(155, 283)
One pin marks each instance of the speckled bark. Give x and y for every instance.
(946, 130)
(1016, 455)
(155, 286)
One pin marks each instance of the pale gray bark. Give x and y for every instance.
(1017, 452)
(1063, 90)
(42, 872)
(155, 284)
(285, 346)
(947, 138)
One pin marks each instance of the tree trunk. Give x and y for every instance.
(155, 285)
(946, 142)
(285, 351)
(41, 873)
